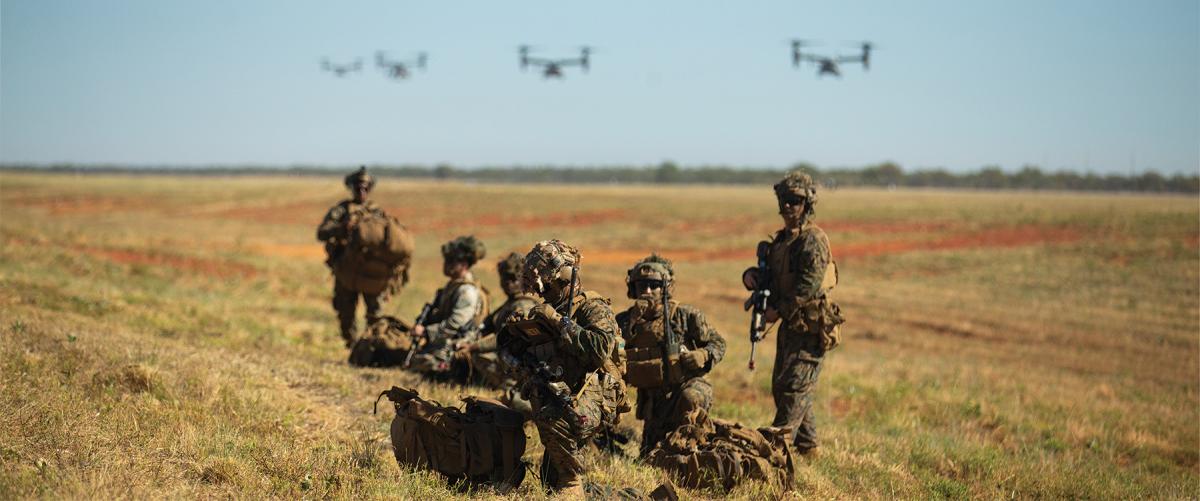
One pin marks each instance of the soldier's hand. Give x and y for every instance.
(464, 352)
(547, 312)
(418, 331)
(771, 315)
(694, 360)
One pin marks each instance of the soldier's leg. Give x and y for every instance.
(562, 463)
(695, 399)
(345, 303)
(373, 304)
(806, 433)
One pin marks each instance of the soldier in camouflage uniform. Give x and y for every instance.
(686, 396)
(334, 231)
(482, 353)
(458, 309)
(801, 272)
(568, 361)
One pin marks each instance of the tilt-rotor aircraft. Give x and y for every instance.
(399, 69)
(828, 65)
(553, 68)
(341, 69)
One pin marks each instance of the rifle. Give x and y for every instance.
(671, 351)
(420, 321)
(758, 300)
(571, 291)
(547, 382)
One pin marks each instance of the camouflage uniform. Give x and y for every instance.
(798, 260)
(577, 357)
(665, 407)
(484, 360)
(334, 230)
(458, 309)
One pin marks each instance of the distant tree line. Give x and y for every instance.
(887, 174)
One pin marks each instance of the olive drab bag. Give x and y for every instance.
(378, 252)
(721, 454)
(480, 445)
(385, 344)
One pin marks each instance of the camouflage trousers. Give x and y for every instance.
(664, 410)
(345, 303)
(566, 438)
(798, 357)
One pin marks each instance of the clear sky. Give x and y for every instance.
(1099, 85)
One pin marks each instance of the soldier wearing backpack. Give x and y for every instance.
(672, 389)
(569, 360)
(459, 308)
(368, 251)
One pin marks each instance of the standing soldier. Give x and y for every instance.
(569, 362)
(800, 272)
(458, 309)
(367, 250)
(667, 369)
(482, 353)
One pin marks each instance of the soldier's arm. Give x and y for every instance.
(622, 320)
(463, 312)
(595, 333)
(334, 224)
(703, 335)
(813, 258)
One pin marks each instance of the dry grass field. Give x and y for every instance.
(172, 336)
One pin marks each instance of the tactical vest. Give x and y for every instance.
(522, 302)
(544, 349)
(444, 304)
(647, 343)
(817, 316)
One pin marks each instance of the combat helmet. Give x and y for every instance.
(466, 249)
(511, 266)
(549, 261)
(797, 185)
(652, 267)
(359, 176)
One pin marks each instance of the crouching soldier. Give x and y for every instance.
(667, 359)
(458, 309)
(568, 360)
(481, 354)
(368, 252)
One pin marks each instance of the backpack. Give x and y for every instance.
(481, 445)
(385, 344)
(378, 251)
(721, 454)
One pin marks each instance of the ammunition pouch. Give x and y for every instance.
(644, 368)
(819, 317)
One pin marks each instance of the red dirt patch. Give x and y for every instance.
(877, 227)
(83, 204)
(292, 213)
(197, 266)
(994, 238)
(525, 222)
(305, 251)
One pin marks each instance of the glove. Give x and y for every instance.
(547, 312)
(463, 352)
(694, 360)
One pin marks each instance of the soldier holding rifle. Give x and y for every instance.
(568, 362)
(795, 274)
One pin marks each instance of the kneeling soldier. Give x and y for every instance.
(568, 360)
(458, 309)
(482, 353)
(667, 360)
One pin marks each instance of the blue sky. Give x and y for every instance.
(1104, 86)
